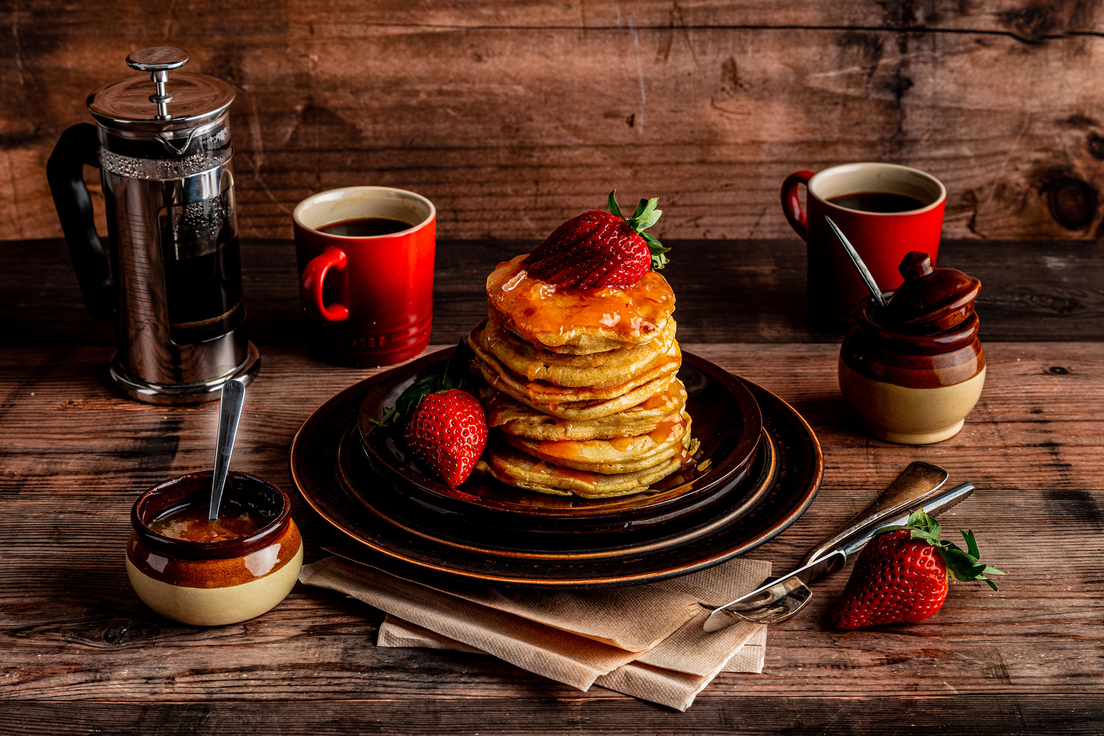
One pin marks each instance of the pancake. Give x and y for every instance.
(610, 457)
(594, 370)
(540, 393)
(578, 322)
(514, 418)
(515, 468)
(577, 410)
(581, 392)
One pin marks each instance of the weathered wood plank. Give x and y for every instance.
(1047, 20)
(511, 118)
(728, 291)
(1032, 429)
(72, 630)
(1025, 659)
(75, 457)
(575, 714)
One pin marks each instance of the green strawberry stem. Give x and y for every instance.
(645, 216)
(454, 376)
(964, 565)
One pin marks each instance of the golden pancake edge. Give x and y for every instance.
(580, 388)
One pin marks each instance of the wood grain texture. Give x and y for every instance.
(76, 456)
(747, 291)
(861, 716)
(577, 714)
(79, 653)
(514, 116)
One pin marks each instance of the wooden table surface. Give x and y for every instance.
(80, 653)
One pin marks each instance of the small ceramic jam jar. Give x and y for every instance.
(213, 573)
(913, 371)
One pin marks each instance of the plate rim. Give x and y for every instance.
(738, 511)
(808, 495)
(748, 442)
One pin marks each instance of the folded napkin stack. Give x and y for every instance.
(645, 640)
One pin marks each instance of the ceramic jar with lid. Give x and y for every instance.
(913, 371)
(213, 583)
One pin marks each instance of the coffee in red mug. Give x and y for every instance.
(885, 210)
(366, 273)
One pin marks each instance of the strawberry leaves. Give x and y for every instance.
(598, 249)
(658, 250)
(613, 206)
(964, 565)
(455, 375)
(645, 216)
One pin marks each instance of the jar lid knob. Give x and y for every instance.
(915, 265)
(931, 299)
(158, 61)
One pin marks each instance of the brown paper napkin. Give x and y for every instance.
(573, 637)
(667, 687)
(394, 632)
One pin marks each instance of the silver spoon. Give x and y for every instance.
(230, 407)
(858, 261)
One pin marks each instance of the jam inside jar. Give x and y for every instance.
(189, 522)
(213, 573)
(172, 517)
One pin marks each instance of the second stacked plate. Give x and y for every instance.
(759, 469)
(735, 457)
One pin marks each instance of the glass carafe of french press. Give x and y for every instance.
(171, 281)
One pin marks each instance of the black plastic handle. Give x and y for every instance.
(79, 147)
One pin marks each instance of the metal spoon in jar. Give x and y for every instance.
(230, 407)
(858, 261)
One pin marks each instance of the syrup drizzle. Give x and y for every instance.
(667, 430)
(544, 314)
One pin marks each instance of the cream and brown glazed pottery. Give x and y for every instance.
(912, 372)
(220, 582)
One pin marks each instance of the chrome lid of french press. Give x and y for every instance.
(160, 103)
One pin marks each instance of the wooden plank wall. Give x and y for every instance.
(513, 116)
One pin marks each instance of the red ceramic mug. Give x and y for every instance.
(367, 298)
(857, 197)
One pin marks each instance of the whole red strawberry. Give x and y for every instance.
(444, 426)
(447, 433)
(901, 575)
(599, 249)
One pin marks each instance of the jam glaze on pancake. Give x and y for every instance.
(516, 468)
(577, 322)
(544, 392)
(576, 410)
(618, 455)
(581, 393)
(514, 418)
(594, 370)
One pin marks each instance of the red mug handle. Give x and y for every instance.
(310, 285)
(791, 205)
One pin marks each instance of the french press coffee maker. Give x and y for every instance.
(171, 279)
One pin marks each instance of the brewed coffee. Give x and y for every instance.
(365, 227)
(878, 202)
(202, 266)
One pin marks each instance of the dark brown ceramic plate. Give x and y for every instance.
(337, 479)
(726, 420)
(519, 536)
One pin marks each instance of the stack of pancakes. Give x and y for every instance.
(582, 396)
